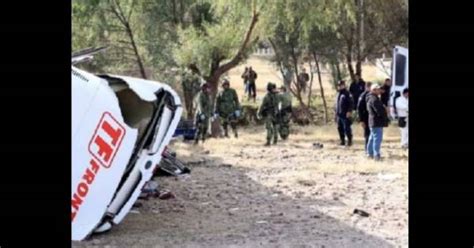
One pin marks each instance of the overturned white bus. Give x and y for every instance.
(120, 127)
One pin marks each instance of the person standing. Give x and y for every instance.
(377, 121)
(245, 77)
(303, 79)
(203, 110)
(191, 84)
(402, 110)
(363, 114)
(357, 87)
(385, 97)
(269, 111)
(227, 108)
(344, 107)
(252, 88)
(285, 113)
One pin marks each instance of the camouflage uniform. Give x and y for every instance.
(191, 85)
(269, 111)
(285, 114)
(203, 107)
(227, 103)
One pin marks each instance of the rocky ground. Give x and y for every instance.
(241, 194)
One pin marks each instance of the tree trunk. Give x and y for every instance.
(181, 14)
(338, 70)
(326, 118)
(350, 66)
(310, 84)
(359, 66)
(135, 50)
(125, 21)
(175, 14)
(295, 65)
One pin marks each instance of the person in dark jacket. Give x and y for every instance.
(252, 88)
(363, 114)
(303, 79)
(344, 107)
(357, 87)
(377, 121)
(385, 97)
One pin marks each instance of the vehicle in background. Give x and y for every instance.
(399, 76)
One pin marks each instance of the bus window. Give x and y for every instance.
(400, 67)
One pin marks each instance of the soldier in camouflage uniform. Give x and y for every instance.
(191, 84)
(269, 110)
(227, 107)
(285, 113)
(203, 110)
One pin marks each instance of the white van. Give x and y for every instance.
(120, 126)
(399, 76)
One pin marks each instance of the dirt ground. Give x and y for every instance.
(242, 194)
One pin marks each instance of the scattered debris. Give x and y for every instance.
(305, 182)
(318, 145)
(165, 195)
(137, 205)
(150, 189)
(361, 213)
(226, 165)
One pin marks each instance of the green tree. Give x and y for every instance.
(220, 41)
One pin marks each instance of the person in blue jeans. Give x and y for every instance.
(378, 119)
(344, 108)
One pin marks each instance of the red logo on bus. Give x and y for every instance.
(106, 140)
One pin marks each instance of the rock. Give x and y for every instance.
(207, 152)
(226, 165)
(315, 216)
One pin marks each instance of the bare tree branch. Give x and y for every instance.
(132, 5)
